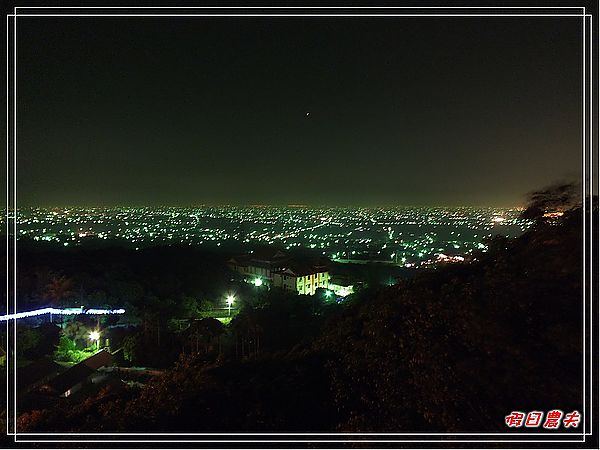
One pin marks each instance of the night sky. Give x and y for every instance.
(319, 111)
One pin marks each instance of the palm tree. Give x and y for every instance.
(77, 331)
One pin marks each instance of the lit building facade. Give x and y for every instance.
(341, 286)
(341, 290)
(303, 280)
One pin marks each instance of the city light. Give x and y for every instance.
(347, 234)
(230, 299)
(257, 282)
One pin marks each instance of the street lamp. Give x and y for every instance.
(95, 337)
(229, 299)
(257, 282)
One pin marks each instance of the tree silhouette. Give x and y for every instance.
(58, 289)
(77, 331)
(206, 331)
(558, 197)
(247, 332)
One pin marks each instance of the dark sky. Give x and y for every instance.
(404, 111)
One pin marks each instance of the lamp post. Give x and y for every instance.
(95, 337)
(230, 299)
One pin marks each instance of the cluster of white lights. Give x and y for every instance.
(397, 235)
(62, 312)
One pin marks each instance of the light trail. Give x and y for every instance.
(61, 312)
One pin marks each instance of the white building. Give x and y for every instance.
(302, 279)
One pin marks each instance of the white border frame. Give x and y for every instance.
(586, 163)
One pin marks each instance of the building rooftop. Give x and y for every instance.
(262, 256)
(300, 269)
(267, 254)
(79, 372)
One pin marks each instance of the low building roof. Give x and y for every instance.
(66, 380)
(298, 269)
(268, 254)
(264, 257)
(340, 281)
(79, 372)
(100, 359)
(36, 372)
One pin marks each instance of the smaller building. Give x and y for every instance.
(79, 375)
(302, 278)
(341, 287)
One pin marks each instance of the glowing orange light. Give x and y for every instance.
(554, 214)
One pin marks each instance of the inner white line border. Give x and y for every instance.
(584, 166)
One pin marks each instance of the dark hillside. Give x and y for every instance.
(453, 349)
